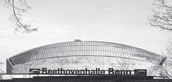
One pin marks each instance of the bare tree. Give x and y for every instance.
(1, 71)
(16, 17)
(167, 62)
(162, 17)
(123, 64)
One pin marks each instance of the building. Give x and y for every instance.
(86, 54)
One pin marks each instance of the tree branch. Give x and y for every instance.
(20, 27)
(162, 17)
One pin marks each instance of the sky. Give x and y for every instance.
(119, 21)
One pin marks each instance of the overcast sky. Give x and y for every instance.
(119, 21)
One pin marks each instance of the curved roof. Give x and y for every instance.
(86, 48)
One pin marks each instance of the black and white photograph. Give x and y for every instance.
(85, 40)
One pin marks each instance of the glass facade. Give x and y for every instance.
(82, 62)
(86, 48)
(93, 53)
